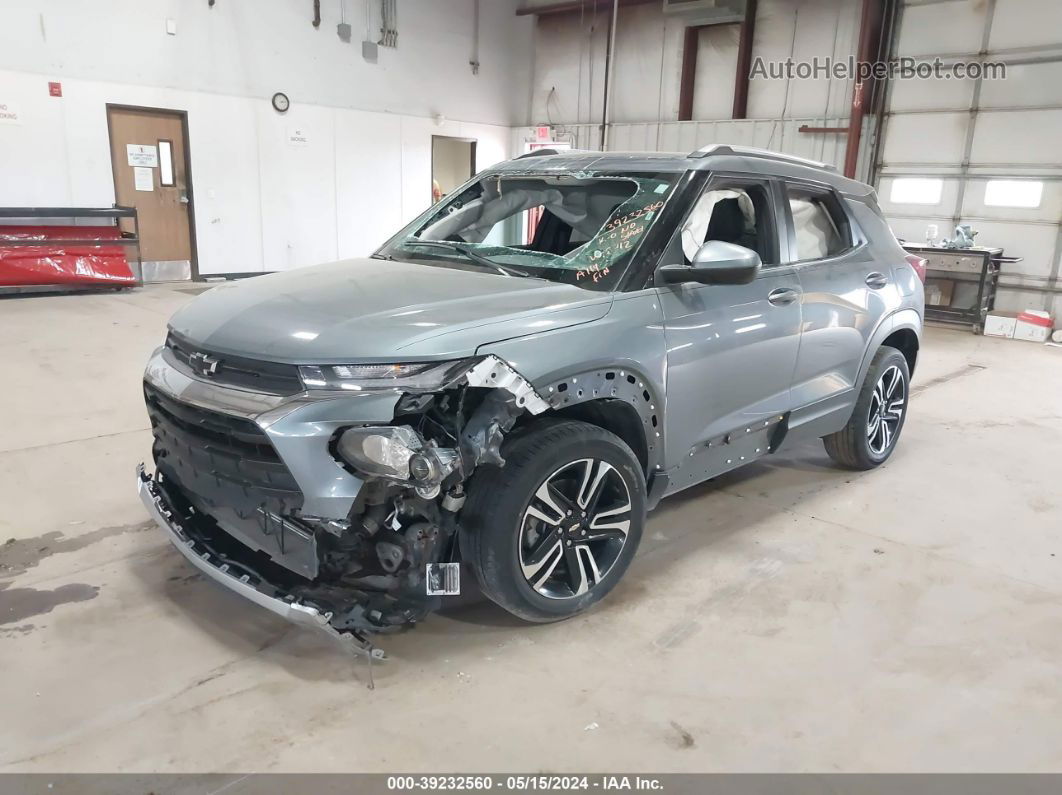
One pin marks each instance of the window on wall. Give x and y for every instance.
(820, 227)
(1014, 193)
(916, 190)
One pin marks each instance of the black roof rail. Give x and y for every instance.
(748, 151)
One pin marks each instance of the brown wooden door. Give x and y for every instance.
(148, 158)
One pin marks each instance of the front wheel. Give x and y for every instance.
(871, 434)
(553, 531)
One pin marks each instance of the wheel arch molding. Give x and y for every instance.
(617, 398)
(898, 325)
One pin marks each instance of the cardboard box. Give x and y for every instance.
(1033, 325)
(1000, 324)
(938, 292)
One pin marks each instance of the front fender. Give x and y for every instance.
(620, 357)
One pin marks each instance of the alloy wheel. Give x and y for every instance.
(574, 528)
(886, 410)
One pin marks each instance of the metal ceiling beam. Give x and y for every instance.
(744, 62)
(688, 75)
(869, 37)
(567, 6)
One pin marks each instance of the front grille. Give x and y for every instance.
(220, 461)
(269, 377)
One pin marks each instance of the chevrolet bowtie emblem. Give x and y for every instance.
(203, 364)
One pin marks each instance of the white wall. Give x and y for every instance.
(260, 203)
(253, 48)
(568, 83)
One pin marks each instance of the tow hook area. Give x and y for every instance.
(241, 580)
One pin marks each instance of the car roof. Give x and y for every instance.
(716, 157)
(584, 160)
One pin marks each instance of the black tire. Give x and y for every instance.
(857, 445)
(496, 534)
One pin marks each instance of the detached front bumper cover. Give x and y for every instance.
(301, 614)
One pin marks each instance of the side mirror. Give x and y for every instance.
(715, 262)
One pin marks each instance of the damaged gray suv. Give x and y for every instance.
(512, 381)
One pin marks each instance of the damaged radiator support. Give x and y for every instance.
(482, 436)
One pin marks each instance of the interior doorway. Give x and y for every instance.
(453, 162)
(149, 160)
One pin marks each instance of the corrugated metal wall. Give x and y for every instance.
(968, 132)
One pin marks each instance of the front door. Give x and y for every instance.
(148, 158)
(731, 349)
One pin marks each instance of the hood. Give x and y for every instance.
(369, 309)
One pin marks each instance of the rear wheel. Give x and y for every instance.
(874, 428)
(553, 531)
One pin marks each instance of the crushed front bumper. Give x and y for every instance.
(303, 615)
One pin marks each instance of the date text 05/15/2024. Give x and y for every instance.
(518, 783)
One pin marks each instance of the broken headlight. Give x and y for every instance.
(410, 376)
(383, 451)
(397, 452)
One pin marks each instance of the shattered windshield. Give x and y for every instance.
(579, 228)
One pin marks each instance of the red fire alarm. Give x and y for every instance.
(55, 89)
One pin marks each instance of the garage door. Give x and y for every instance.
(981, 151)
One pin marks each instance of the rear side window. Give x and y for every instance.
(820, 227)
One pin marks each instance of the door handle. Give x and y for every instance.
(875, 280)
(782, 296)
(184, 198)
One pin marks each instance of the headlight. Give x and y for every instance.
(419, 376)
(383, 451)
(399, 453)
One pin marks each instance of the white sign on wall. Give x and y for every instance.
(142, 155)
(9, 114)
(143, 178)
(298, 136)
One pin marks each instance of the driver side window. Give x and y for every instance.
(738, 215)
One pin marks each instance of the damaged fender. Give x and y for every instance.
(482, 436)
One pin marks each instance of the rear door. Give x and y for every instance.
(730, 348)
(844, 293)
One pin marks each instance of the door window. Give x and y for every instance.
(738, 215)
(820, 227)
(166, 178)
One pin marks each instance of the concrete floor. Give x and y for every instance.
(790, 617)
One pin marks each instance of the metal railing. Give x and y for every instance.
(117, 213)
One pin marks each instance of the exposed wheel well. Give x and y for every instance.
(906, 342)
(616, 416)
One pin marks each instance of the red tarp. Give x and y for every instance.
(55, 263)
